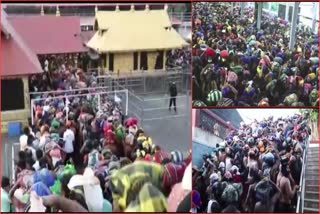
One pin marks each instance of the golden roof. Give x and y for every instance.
(126, 31)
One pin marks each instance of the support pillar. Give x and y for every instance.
(293, 25)
(315, 11)
(139, 60)
(287, 11)
(106, 65)
(259, 15)
(42, 11)
(164, 60)
(231, 7)
(26, 92)
(242, 4)
(57, 11)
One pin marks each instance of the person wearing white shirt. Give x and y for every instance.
(24, 139)
(39, 155)
(46, 65)
(30, 148)
(68, 138)
(44, 135)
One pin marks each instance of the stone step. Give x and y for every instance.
(311, 181)
(312, 173)
(312, 167)
(316, 170)
(313, 158)
(313, 164)
(314, 161)
(310, 210)
(310, 187)
(312, 195)
(313, 154)
(311, 203)
(313, 150)
(312, 192)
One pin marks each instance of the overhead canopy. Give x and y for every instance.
(125, 31)
(50, 34)
(16, 57)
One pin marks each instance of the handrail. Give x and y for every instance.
(181, 16)
(301, 191)
(76, 95)
(106, 73)
(69, 91)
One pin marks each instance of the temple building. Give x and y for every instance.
(18, 62)
(134, 40)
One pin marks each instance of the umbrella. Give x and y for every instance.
(224, 54)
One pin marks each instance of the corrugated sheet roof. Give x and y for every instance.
(50, 34)
(16, 57)
(122, 31)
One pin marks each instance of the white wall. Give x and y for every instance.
(202, 143)
(205, 138)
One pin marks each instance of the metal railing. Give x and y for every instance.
(180, 16)
(10, 150)
(301, 191)
(146, 82)
(97, 95)
(151, 109)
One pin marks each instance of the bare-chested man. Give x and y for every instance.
(287, 189)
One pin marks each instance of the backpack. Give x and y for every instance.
(93, 159)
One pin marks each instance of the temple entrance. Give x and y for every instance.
(159, 60)
(111, 58)
(144, 61)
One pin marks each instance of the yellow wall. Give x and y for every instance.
(123, 62)
(152, 57)
(17, 115)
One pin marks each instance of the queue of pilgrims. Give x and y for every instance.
(235, 64)
(256, 168)
(76, 157)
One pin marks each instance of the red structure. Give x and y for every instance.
(50, 34)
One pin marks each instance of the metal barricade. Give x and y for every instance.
(155, 107)
(96, 99)
(148, 92)
(148, 82)
(10, 154)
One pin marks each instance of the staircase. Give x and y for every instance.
(311, 194)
